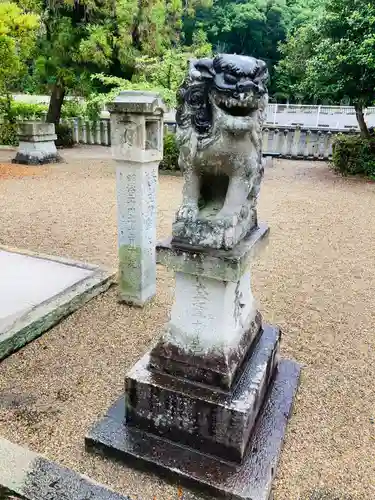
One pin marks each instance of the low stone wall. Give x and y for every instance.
(284, 142)
(299, 142)
(278, 141)
(86, 132)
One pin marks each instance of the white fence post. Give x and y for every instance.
(97, 132)
(75, 130)
(320, 144)
(277, 140)
(296, 143)
(318, 116)
(265, 140)
(285, 151)
(274, 115)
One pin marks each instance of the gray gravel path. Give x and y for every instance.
(316, 280)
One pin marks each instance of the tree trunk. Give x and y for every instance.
(55, 103)
(361, 121)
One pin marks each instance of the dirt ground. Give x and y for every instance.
(316, 281)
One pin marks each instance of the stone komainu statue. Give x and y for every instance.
(221, 109)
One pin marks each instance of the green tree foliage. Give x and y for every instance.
(252, 27)
(84, 37)
(18, 31)
(162, 74)
(122, 38)
(79, 38)
(168, 71)
(300, 12)
(333, 57)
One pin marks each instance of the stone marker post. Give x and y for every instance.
(210, 401)
(36, 144)
(137, 147)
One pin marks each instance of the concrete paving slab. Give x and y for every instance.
(30, 476)
(37, 291)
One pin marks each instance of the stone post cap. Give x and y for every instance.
(137, 102)
(30, 129)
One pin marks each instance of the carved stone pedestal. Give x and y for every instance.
(219, 478)
(209, 403)
(36, 144)
(137, 148)
(214, 320)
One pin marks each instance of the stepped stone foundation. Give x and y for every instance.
(36, 144)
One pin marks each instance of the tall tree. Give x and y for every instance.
(334, 56)
(18, 30)
(162, 74)
(83, 37)
(78, 39)
(251, 27)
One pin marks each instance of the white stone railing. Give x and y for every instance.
(87, 132)
(84, 131)
(279, 141)
(315, 108)
(284, 142)
(299, 142)
(332, 117)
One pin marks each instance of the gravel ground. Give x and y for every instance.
(316, 280)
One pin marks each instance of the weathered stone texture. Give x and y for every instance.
(220, 116)
(209, 420)
(136, 215)
(30, 476)
(36, 144)
(214, 318)
(219, 368)
(223, 265)
(137, 148)
(221, 479)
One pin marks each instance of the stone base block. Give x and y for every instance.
(37, 151)
(219, 367)
(214, 232)
(26, 475)
(36, 144)
(141, 299)
(250, 480)
(202, 417)
(36, 159)
(225, 265)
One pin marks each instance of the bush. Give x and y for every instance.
(10, 111)
(73, 109)
(8, 134)
(64, 136)
(354, 155)
(27, 110)
(30, 111)
(171, 152)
